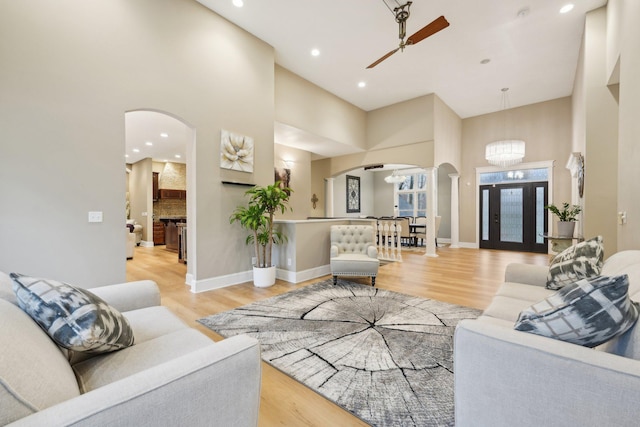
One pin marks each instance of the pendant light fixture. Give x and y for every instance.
(394, 178)
(506, 152)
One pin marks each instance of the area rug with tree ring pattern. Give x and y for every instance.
(385, 357)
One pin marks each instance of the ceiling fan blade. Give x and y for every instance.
(436, 25)
(383, 58)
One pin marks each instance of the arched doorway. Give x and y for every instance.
(159, 153)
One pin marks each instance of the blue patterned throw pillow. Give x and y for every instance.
(588, 312)
(74, 318)
(580, 261)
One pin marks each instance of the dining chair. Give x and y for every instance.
(405, 230)
(422, 233)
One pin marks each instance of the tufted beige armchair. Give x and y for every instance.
(353, 252)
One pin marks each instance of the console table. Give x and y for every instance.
(559, 244)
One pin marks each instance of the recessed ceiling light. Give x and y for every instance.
(126, 155)
(485, 61)
(566, 8)
(135, 150)
(149, 143)
(178, 156)
(164, 135)
(315, 52)
(238, 3)
(362, 84)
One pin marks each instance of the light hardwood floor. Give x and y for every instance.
(467, 277)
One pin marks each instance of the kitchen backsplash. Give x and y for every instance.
(172, 176)
(169, 207)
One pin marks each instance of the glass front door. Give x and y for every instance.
(512, 216)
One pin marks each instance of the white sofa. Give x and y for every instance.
(131, 243)
(137, 230)
(172, 375)
(505, 377)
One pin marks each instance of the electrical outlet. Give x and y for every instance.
(288, 262)
(143, 214)
(253, 260)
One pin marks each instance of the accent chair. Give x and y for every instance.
(353, 252)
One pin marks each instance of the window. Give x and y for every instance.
(411, 195)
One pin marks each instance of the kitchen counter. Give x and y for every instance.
(171, 231)
(173, 219)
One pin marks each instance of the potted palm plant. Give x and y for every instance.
(257, 217)
(567, 217)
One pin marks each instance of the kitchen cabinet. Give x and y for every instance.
(158, 233)
(154, 184)
(173, 194)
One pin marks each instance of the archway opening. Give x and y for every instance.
(160, 192)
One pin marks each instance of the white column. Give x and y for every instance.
(432, 196)
(455, 214)
(328, 197)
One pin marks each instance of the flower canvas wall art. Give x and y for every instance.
(236, 152)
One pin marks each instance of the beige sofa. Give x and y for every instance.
(172, 375)
(505, 377)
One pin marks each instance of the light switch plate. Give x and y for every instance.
(95, 216)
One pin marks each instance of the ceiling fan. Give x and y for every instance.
(402, 14)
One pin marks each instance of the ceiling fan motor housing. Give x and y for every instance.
(401, 18)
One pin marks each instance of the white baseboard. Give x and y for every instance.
(146, 244)
(466, 245)
(301, 276)
(220, 281)
(469, 245)
(247, 276)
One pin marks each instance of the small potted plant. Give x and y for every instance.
(257, 217)
(567, 217)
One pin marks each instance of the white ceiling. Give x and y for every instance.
(142, 127)
(533, 53)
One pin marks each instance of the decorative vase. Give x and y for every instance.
(264, 277)
(566, 228)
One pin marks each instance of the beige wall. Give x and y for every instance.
(546, 129)
(383, 202)
(447, 135)
(367, 194)
(400, 124)
(596, 131)
(300, 181)
(625, 25)
(303, 105)
(69, 74)
(141, 197)
(419, 154)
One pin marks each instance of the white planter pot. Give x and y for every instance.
(264, 277)
(566, 228)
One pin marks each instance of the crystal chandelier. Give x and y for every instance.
(506, 152)
(394, 178)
